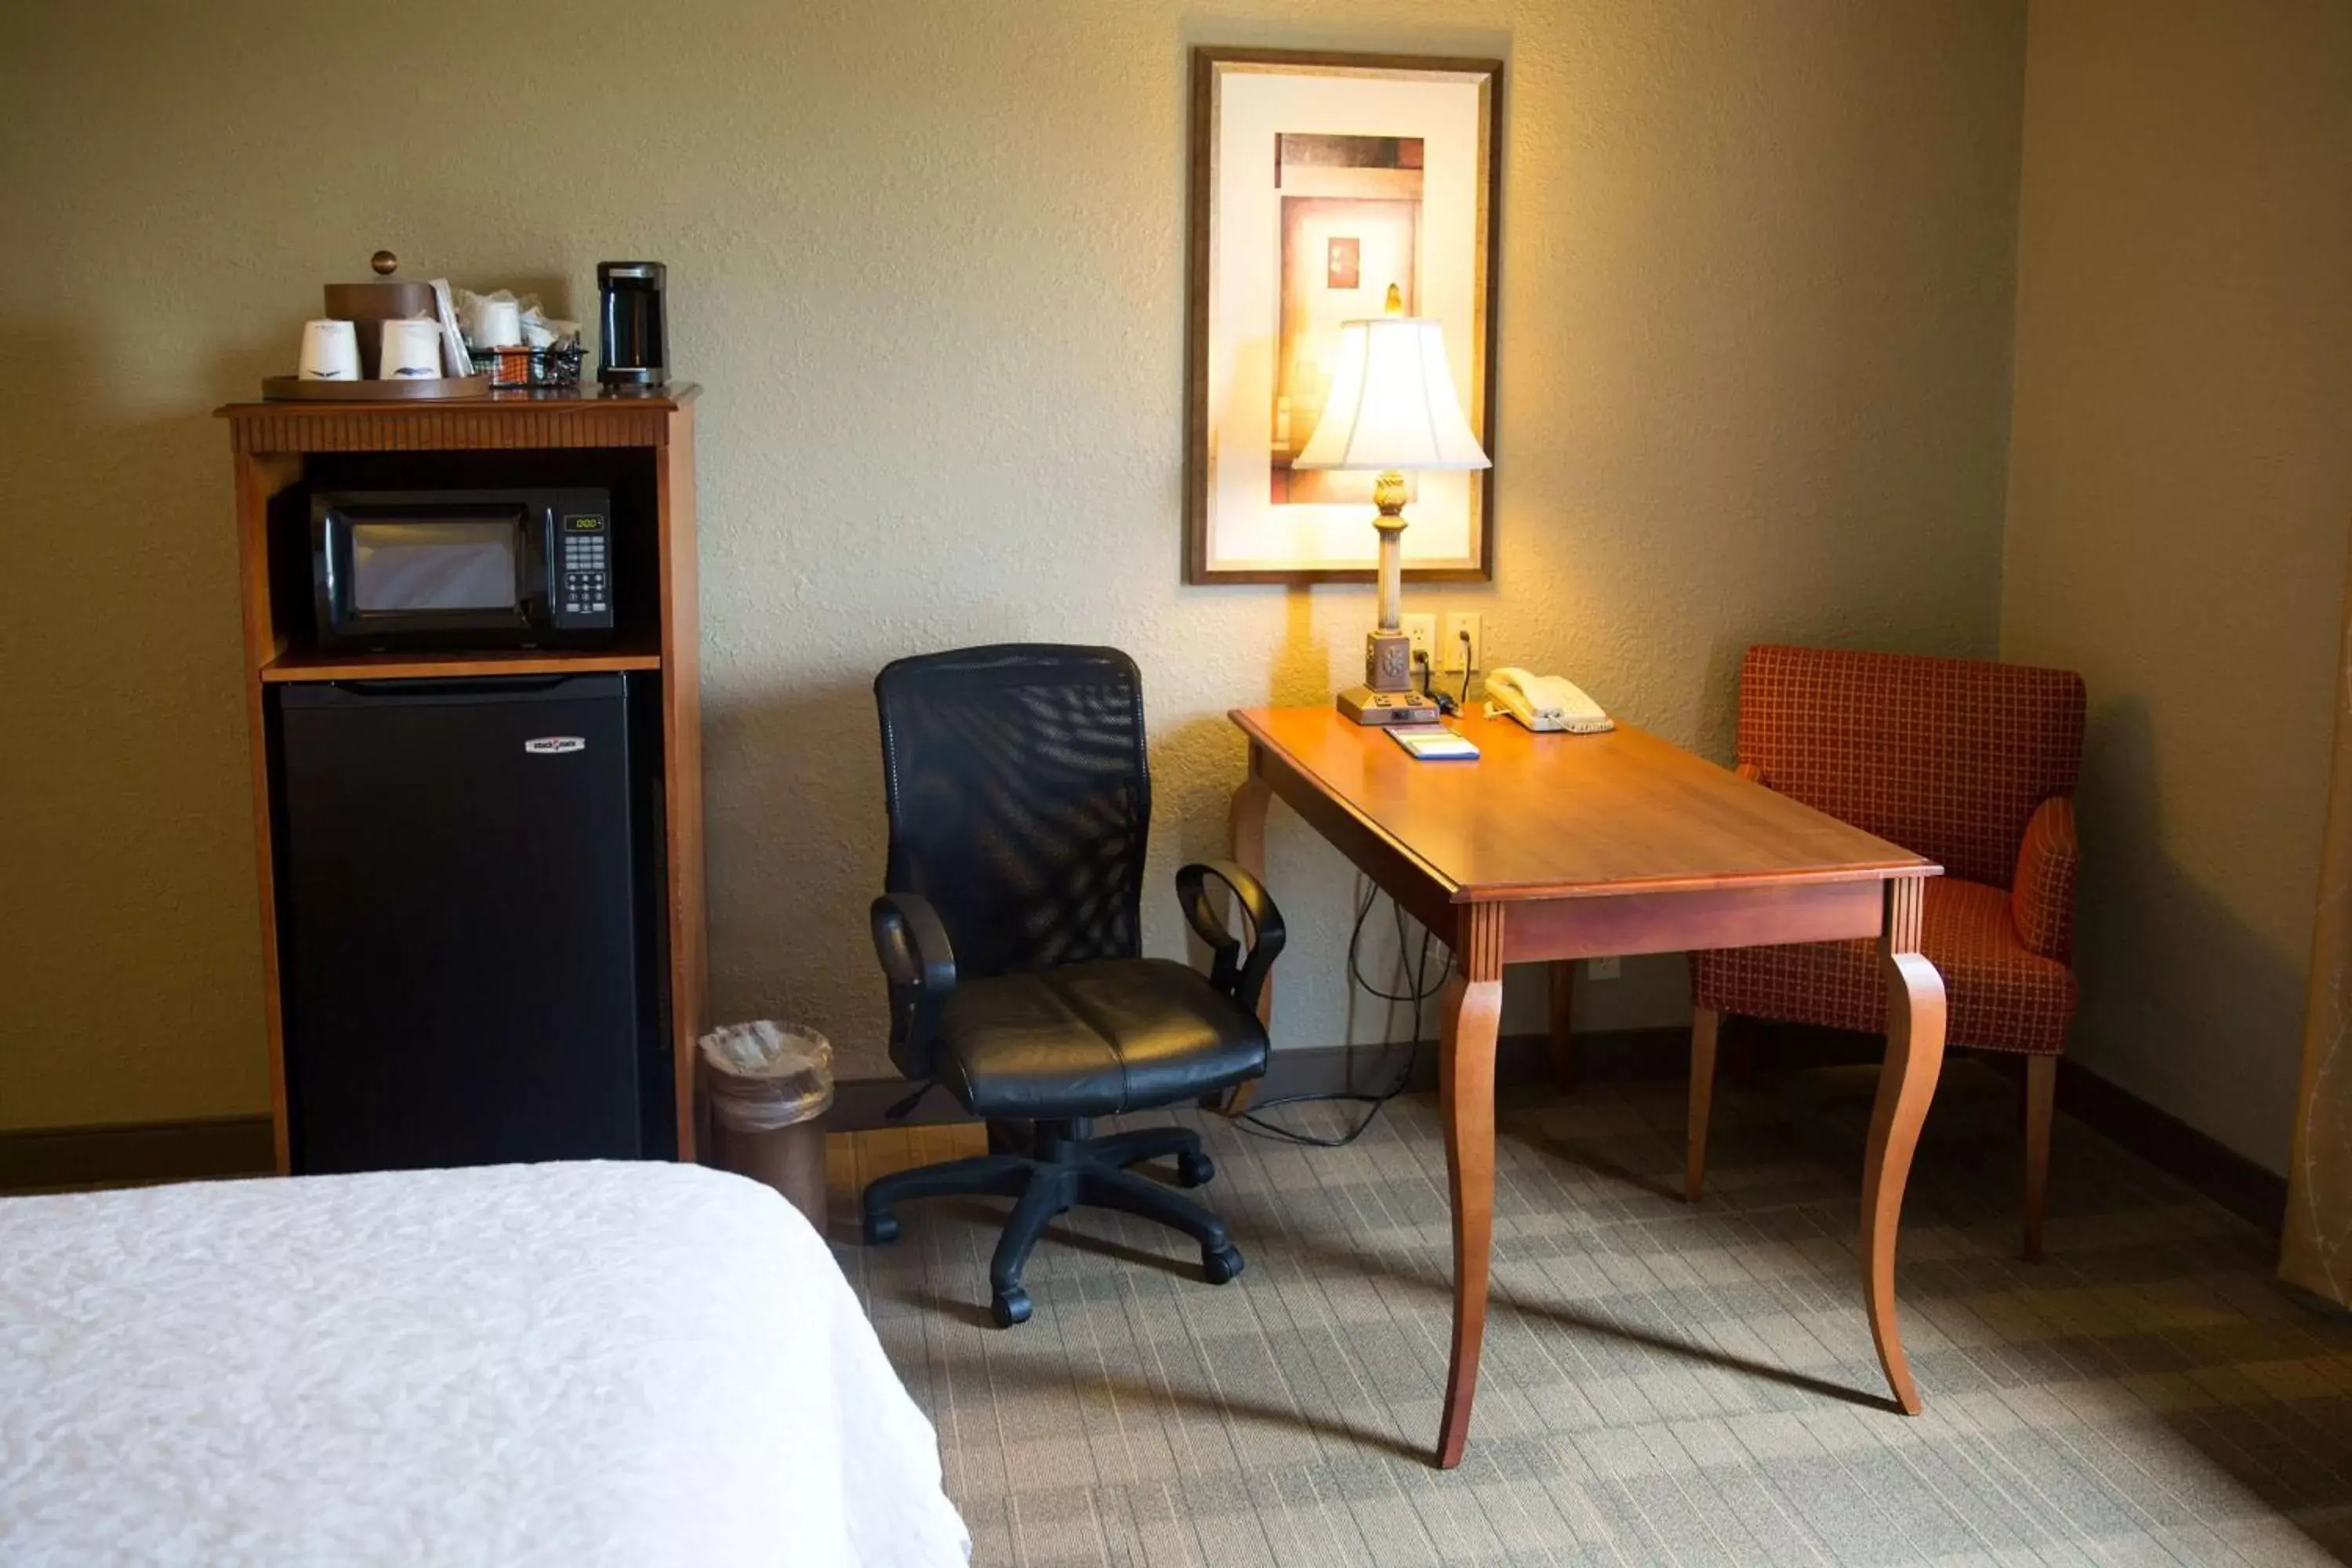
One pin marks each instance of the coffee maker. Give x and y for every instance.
(636, 330)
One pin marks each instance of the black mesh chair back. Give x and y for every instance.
(1010, 934)
(1020, 800)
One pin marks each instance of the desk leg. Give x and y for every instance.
(1563, 1009)
(1246, 819)
(1472, 1013)
(1906, 1084)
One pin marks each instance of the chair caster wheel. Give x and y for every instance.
(881, 1227)
(1009, 1308)
(1221, 1264)
(1194, 1169)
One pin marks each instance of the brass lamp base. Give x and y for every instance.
(1388, 660)
(1387, 696)
(1366, 705)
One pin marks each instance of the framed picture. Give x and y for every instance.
(1319, 182)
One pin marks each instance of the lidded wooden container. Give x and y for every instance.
(368, 305)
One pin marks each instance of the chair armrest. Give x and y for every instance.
(1237, 976)
(1752, 771)
(2042, 894)
(919, 962)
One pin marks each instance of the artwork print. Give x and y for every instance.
(1320, 182)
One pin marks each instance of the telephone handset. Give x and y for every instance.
(1544, 702)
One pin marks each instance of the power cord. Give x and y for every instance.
(1422, 989)
(1447, 705)
(1415, 997)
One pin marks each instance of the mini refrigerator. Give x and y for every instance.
(467, 925)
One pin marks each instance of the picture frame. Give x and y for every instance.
(1317, 180)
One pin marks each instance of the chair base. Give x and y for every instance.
(1063, 1165)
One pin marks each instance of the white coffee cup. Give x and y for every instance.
(412, 351)
(330, 352)
(497, 323)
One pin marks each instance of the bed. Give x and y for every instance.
(563, 1364)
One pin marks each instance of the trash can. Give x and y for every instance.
(770, 1085)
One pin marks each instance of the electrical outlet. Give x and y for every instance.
(1422, 630)
(1603, 968)
(1449, 639)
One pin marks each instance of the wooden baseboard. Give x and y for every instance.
(1519, 1060)
(118, 1155)
(2218, 1172)
(2255, 1192)
(126, 1153)
(862, 1104)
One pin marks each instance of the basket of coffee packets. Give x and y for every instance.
(516, 343)
(556, 364)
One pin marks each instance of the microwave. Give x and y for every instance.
(462, 569)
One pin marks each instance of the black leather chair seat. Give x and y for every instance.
(1094, 1039)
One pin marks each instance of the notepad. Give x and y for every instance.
(1434, 743)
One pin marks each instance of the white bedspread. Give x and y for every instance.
(572, 1363)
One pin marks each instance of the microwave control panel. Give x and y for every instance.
(583, 576)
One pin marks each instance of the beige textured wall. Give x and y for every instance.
(2181, 488)
(927, 260)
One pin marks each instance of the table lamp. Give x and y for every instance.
(1392, 408)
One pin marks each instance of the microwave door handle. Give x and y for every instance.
(535, 565)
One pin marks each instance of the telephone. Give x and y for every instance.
(1544, 702)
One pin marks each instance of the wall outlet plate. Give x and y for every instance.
(1449, 641)
(1422, 630)
(1603, 968)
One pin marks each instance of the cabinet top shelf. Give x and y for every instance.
(587, 395)
(315, 664)
(587, 415)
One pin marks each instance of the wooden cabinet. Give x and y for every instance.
(642, 448)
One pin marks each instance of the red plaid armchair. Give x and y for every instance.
(1973, 764)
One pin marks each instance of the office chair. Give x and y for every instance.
(1019, 802)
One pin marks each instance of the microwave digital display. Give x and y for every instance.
(408, 564)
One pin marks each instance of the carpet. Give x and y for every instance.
(1662, 1382)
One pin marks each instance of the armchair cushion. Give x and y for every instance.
(2041, 895)
(1093, 1040)
(2003, 994)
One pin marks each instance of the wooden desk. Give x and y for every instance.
(1554, 847)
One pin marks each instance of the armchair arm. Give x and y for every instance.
(2042, 894)
(919, 962)
(1238, 977)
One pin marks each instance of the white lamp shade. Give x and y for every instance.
(1393, 404)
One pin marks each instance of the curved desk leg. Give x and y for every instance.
(1471, 1014)
(1246, 818)
(1906, 1085)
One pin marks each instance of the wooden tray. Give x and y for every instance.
(294, 389)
